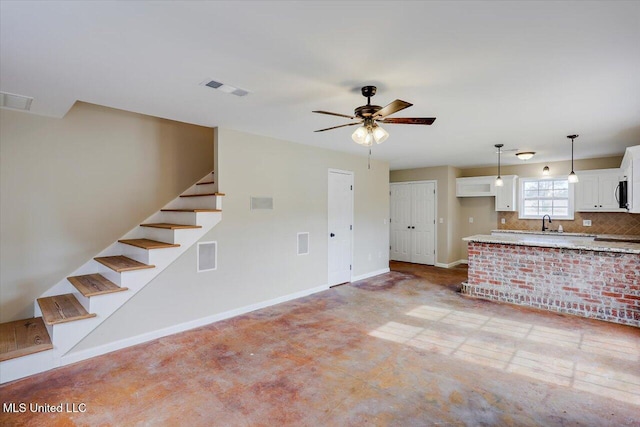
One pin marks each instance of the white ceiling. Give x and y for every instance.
(525, 74)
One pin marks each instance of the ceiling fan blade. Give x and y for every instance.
(341, 126)
(409, 120)
(334, 114)
(391, 108)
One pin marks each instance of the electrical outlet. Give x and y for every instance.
(441, 220)
(586, 222)
(503, 221)
(470, 220)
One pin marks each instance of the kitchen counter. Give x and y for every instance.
(631, 238)
(545, 233)
(572, 273)
(558, 240)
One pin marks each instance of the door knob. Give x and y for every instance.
(332, 235)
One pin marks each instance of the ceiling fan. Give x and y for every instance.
(370, 115)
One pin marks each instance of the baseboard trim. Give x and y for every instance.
(149, 336)
(370, 274)
(451, 264)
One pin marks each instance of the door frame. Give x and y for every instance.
(435, 214)
(353, 192)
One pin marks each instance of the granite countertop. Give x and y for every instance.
(543, 233)
(572, 241)
(631, 238)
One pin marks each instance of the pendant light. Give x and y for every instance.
(573, 178)
(546, 171)
(499, 182)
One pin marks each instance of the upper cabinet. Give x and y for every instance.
(477, 186)
(596, 190)
(506, 196)
(481, 186)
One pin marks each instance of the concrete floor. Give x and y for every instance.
(399, 349)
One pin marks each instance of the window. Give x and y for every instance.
(553, 197)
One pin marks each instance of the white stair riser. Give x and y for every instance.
(149, 256)
(203, 202)
(205, 188)
(24, 366)
(188, 218)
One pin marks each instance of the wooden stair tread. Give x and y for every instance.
(148, 244)
(121, 263)
(170, 226)
(191, 210)
(91, 285)
(205, 183)
(23, 337)
(62, 308)
(202, 195)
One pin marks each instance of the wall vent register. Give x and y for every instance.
(303, 243)
(207, 256)
(258, 203)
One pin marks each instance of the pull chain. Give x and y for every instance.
(369, 160)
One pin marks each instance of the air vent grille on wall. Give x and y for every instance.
(303, 243)
(224, 87)
(207, 256)
(261, 203)
(15, 102)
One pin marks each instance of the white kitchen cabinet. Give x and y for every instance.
(506, 196)
(477, 186)
(596, 191)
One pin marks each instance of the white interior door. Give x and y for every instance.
(400, 237)
(423, 223)
(412, 230)
(340, 233)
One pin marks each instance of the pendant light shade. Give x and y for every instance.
(546, 171)
(573, 178)
(499, 182)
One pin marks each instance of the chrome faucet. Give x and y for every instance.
(543, 227)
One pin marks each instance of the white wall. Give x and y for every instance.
(70, 187)
(257, 258)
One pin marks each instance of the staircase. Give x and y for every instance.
(72, 308)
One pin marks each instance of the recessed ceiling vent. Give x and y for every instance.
(15, 102)
(224, 87)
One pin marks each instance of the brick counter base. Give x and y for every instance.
(599, 285)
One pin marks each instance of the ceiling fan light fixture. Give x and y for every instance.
(359, 135)
(379, 134)
(525, 155)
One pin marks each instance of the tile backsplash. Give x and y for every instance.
(601, 223)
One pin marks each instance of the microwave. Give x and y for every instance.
(622, 194)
